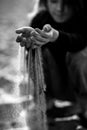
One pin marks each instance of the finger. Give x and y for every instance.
(42, 33)
(47, 28)
(24, 30)
(34, 33)
(18, 39)
(22, 44)
(20, 30)
(28, 43)
(39, 38)
(26, 35)
(38, 43)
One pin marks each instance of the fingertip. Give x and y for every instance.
(47, 28)
(37, 29)
(18, 31)
(18, 39)
(22, 44)
(32, 32)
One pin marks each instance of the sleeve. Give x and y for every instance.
(71, 41)
(76, 40)
(34, 22)
(37, 22)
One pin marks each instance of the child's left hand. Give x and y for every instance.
(44, 36)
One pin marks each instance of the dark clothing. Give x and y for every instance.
(72, 33)
(72, 37)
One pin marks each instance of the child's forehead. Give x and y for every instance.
(64, 2)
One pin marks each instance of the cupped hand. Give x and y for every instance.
(24, 36)
(44, 36)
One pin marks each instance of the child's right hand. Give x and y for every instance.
(24, 36)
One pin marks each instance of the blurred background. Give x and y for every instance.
(13, 14)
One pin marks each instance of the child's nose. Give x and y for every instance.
(59, 5)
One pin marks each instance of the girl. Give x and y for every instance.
(59, 27)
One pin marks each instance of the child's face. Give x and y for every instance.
(59, 10)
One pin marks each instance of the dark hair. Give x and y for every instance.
(42, 3)
(78, 5)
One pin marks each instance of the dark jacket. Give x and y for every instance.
(72, 37)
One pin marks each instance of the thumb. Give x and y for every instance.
(47, 28)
